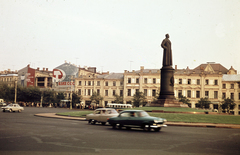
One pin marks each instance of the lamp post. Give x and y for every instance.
(15, 98)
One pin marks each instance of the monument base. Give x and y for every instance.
(168, 103)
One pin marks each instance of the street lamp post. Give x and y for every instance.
(15, 98)
(71, 94)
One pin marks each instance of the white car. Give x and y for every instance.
(2, 104)
(101, 115)
(12, 107)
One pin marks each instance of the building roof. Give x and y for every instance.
(228, 77)
(111, 76)
(211, 66)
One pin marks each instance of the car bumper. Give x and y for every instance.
(158, 125)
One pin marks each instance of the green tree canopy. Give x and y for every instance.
(228, 104)
(185, 100)
(118, 99)
(203, 103)
(96, 97)
(139, 99)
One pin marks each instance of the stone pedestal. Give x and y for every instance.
(168, 103)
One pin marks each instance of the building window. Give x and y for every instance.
(232, 86)
(197, 94)
(129, 92)
(137, 90)
(121, 92)
(215, 82)
(206, 82)
(154, 80)
(129, 80)
(89, 83)
(79, 83)
(93, 83)
(198, 81)
(223, 95)
(98, 91)
(121, 83)
(224, 86)
(145, 80)
(215, 94)
(189, 81)
(79, 92)
(137, 80)
(145, 92)
(232, 96)
(179, 93)
(206, 94)
(85, 83)
(106, 92)
(114, 92)
(114, 83)
(180, 81)
(238, 96)
(189, 93)
(98, 83)
(106, 83)
(154, 92)
(89, 92)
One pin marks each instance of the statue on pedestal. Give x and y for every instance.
(167, 51)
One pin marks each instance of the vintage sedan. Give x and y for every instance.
(137, 119)
(101, 115)
(12, 107)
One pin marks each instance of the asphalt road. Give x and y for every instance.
(24, 133)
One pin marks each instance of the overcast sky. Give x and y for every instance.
(118, 35)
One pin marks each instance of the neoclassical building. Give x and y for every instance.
(211, 80)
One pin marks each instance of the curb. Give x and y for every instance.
(208, 125)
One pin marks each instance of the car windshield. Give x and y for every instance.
(143, 114)
(112, 112)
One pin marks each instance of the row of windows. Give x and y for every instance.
(6, 79)
(91, 83)
(224, 86)
(189, 81)
(145, 80)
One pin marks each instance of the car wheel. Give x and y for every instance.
(3, 110)
(128, 128)
(114, 126)
(157, 129)
(10, 110)
(89, 121)
(147, 127)
(93, 122)
(103, 123)
(120, 126)
(19, 110)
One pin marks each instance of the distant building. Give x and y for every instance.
(210, 80)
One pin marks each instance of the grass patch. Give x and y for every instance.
(170, 109)
(177, 117)
(75, 113)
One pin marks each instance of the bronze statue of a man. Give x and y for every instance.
(167, 51)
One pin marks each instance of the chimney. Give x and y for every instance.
(43, 69)
(142, 67)
(38, 69)
(175, 67)
(46, 69)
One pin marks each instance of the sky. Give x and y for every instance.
(118, 35)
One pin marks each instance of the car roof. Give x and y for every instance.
(132, 111)
(105, 109)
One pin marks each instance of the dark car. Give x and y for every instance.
(137, 119)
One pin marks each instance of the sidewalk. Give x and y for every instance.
(211, 125)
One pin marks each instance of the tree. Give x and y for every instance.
(139, 99)
(185, 100)
(76, 99)
(96, 97)
(118, 99)
(203, 103)
(228, 104)
(59, 97)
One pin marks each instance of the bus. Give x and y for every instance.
(118, 106)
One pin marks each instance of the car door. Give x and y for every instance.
(124, 118)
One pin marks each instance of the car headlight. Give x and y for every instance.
(158, 121)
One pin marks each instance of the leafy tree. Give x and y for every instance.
(76, 99)
(48, 96)
(139, 99)
(60, 96)
(228, 104)
(185, 100)
(96, 97)
(203, 103)
(118, 99)
(155, 98)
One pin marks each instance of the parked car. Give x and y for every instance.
(101, 115)
(137, 119)
(2, 104)
(12, 107)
